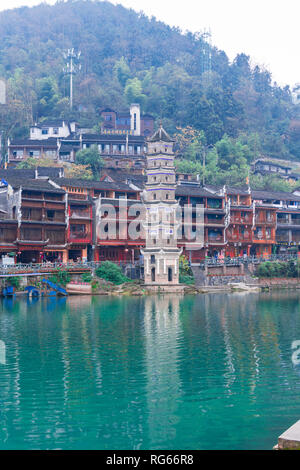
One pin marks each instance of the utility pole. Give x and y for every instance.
(71, 68)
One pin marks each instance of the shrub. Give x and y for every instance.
(279, 269)
(13, 281)
(184, 267)
(60, 276)
(185, 271)
(86, 277)
(186, 279)
(111, 272)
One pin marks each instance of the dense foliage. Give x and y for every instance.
(279, 269)
(111, 272)
(60, 276)
(185, 272)
(233, 110)
(13, 281)
(91, 158)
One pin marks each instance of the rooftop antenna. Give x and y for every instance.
(71, 68)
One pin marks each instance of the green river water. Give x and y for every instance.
(212, 371)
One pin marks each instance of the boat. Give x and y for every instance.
(79, 288)
(8, 291)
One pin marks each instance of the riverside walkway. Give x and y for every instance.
(244, 260)
(35, 269)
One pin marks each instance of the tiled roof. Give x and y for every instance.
(240, 191)
(190, 190)
(274, 195)
(19, 174)
(112, 137)
(160, 135)
(80, 183)
(51, 142)
(123, 176)
(32, 184)
(51, 171)
(30, 173)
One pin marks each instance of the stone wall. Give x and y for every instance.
(219, 275)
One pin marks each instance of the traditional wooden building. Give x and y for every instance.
(239, 232)
(93, 205)
(40, 210)
(264, 229)
(214, 219)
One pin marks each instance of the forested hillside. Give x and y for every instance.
(127, 57)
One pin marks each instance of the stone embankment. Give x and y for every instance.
(278, 283)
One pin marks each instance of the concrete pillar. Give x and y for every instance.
(65, 256)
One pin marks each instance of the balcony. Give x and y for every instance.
(80, 237)
(241, 220)
(80, 214)
(208, 221)
(268, 220)
(218, 239)
(82, 197)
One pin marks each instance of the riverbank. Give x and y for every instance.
(137, 288)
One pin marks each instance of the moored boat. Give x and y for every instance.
(79, 288)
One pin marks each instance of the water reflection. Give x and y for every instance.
(162, 337)
(202, 372)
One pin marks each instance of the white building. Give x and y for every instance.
(47, 129)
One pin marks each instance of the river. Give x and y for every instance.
(211, 371)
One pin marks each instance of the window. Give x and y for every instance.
(152, 260)
(44, 131)
(18, 153)
(107, 117)
(154, 195)
(50, 214)
(55, 131)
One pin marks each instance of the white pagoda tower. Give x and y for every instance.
(161, 254)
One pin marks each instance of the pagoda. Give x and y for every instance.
(161, 254)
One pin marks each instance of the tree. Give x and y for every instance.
(32, 162)
(47, 95)
(122, 71)
(133, 91)
(90, 156)
(83, 172)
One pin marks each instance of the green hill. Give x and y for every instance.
(128, 57)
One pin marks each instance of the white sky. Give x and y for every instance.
(267, 30)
